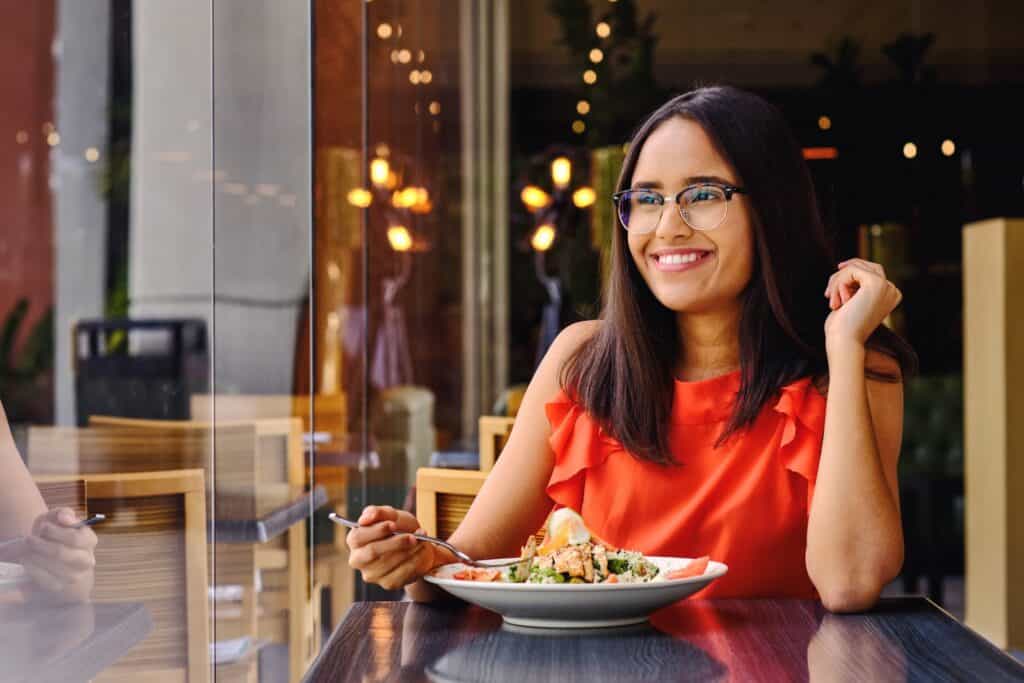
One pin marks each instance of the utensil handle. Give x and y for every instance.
(93, 520)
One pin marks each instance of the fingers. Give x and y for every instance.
(404, 573)
(84, 538)
(378, 513)
(365, 556)
(365, 535)
(851, 276)
(60, 557)
(73, 588)
(403, 520)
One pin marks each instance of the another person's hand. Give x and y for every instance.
(60, 559)
(391, 562)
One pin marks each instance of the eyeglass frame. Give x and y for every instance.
(728, 189)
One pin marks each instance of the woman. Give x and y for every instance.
(57, 557)
(739, 396)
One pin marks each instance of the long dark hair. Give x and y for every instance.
(623, 375)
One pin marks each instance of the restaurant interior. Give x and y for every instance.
(262, 261)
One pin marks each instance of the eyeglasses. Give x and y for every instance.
(703, 206)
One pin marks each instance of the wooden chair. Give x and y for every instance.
(152, 549)
(330, 417)
(68, 493)
(110, 449)
(494, 433)
(259, 467)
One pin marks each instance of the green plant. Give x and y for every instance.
(627, 64)
(24, 373)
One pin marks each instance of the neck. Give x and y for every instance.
(711, 344)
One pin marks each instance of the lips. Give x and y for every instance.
(675, 260)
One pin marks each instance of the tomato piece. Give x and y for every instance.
(696, 567)
(612, 578)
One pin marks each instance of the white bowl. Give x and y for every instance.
(577, 605)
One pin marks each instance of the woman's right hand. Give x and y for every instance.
(391, 562)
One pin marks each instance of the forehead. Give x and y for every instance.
(677, 149)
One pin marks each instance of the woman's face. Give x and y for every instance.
(676, 155)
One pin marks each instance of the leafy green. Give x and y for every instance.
(617, 566)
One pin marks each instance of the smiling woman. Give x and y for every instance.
(724, 404)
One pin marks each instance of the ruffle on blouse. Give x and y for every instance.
(579, 444)
(803, 411)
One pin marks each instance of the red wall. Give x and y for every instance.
(26, 104)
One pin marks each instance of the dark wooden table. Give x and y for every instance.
(736, 640)
(66, 644)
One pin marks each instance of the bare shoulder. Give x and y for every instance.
(568, 341)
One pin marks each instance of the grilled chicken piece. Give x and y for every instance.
(601, 556)
(570, 561)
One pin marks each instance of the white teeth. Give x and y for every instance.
(678, 259)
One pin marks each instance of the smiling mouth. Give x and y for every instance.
(676, 261)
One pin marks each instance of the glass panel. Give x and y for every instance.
(107, 271)
(268, 598)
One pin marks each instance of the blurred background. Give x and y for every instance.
(314, 251)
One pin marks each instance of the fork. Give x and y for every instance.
(463, 557)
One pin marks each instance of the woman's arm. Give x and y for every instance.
(854, 533)
(21, 502)
(512, 504)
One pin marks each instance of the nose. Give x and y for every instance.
(672, 224)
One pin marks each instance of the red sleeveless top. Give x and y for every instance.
(745, 504)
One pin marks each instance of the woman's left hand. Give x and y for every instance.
(860, 297)
(59, 558)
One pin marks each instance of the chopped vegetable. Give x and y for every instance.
(695, 567)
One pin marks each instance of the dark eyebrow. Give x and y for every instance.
(692, 180)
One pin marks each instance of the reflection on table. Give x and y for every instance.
(740, 640)
(67, 643)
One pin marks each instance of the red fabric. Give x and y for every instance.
(744, 504)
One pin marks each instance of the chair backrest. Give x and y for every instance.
(69, 493)
(329, 410)
(258, 459)
(152, 549)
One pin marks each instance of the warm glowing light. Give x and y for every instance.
(435, 107)
(392, 181)
(384, 31)
(414, 77)
(561, 171)
(590, 77)
(596, 55)
(578, 127)
(360, 197)
(408, 197)
(910, 150)
(21, 137)
(421, 56)
(818, 153)
(948, 148)
(423, 203)
(534, 197)
(394, 56)
(92, 155)
(379, 171)
(824, 122)
(404, 56)
(543, 237)
(399, 237)
(53, 139)
(603, 30)
(584, 197)
(583, 107)
(426, 76)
